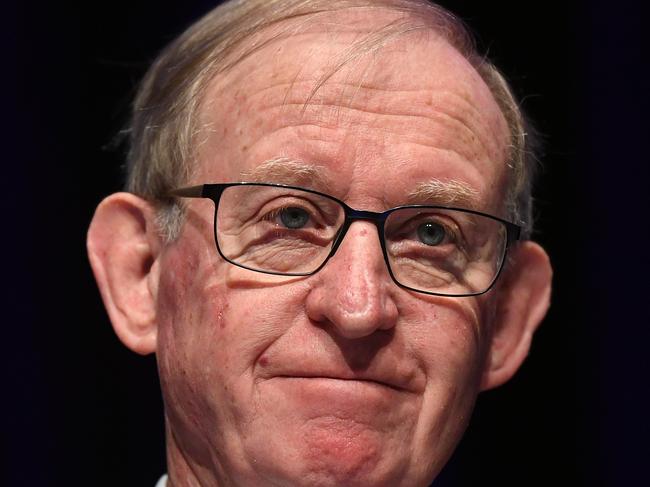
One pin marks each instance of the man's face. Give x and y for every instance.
(341, 377)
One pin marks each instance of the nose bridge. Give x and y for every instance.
(362, 247)
(362, 244)
(353, 216)
(354, 287)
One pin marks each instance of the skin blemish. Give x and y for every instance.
(363, 232)
(263, 361)
(221, 316)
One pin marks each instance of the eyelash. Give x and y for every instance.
(274, 214)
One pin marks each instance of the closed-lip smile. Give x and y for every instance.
(346, 379)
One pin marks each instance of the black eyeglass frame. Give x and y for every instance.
(214, 191)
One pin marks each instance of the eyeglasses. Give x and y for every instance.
(292, 231)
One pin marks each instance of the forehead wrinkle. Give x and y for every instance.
(365, 86)
(493, 142)
(446, 107)
(371, 44)
(299, 89)
(399, 126)
(433, 191)
(283, 170)
(294, 82)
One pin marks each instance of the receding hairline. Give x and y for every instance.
(417, 19)
(383, 33)
(162, 129)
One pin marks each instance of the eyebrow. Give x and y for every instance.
(448, 193)
(282, 170)
(293, 172)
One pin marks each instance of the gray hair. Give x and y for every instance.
(164, 123)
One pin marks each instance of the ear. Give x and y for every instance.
(523, 299)
(123, 247)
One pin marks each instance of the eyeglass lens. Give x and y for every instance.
(289, 231)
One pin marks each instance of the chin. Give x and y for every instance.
(335, 452)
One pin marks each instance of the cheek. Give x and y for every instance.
(457, 352)
(192, 318)
(449, 342)
(212, 331)
(448, 336)
(191, 313)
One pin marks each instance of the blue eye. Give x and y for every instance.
(431, 233)
(293, 217)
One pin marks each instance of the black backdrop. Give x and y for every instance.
(80, 409)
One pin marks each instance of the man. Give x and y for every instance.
(324, 242)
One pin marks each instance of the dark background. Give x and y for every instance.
(79, 409)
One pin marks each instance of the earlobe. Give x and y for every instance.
(123, 247)
(524, 297)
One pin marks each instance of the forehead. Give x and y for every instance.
(366, 96)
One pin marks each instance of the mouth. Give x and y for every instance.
(344, 382)
(388, 374)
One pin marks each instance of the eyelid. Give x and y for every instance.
(454, 230)
(315, 213)
(457, 235)
(439, 218)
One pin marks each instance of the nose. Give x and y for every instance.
(353, 293)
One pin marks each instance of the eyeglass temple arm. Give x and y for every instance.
(514, 233)
(189, 192)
